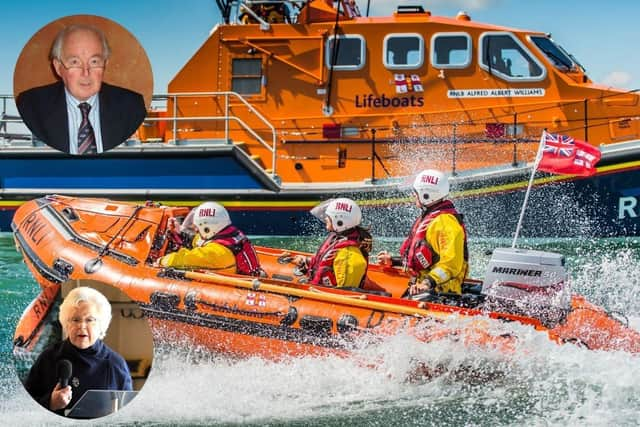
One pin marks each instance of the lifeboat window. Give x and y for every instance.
(504, 56)
(554, 52)
(403, 51)
(350, 53)
(451, 50)
(246, 76)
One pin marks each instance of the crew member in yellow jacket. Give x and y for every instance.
(218, 245)
(435, 253)
(342, 258)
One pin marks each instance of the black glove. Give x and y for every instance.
(187, 238)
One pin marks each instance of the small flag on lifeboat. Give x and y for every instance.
(401, 83)
(562, 154)
(406, 84)
(417, 84)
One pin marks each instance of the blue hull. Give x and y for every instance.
(219, 169)
(600, 206)
(605, 205)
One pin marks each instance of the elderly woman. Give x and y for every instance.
(85, 315)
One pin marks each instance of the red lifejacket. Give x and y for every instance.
(235, 240)
(417, 254)
(321, 265)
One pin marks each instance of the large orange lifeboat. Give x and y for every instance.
(99, 241)
(287, 103)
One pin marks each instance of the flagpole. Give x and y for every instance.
(526, 195)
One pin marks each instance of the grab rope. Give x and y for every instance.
(94, 264)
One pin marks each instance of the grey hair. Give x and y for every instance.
(56, 48)
(81, 295)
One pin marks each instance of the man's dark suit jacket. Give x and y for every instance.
(44, 111)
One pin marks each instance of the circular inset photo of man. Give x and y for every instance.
(83, 350)
(82, 84)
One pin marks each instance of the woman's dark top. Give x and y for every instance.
(94, 368)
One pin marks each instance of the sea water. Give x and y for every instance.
(540, 384)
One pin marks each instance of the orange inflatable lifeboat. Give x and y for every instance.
(99, 241)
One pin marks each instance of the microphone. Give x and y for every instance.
(63, 371)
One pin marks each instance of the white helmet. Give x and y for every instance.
(431, 186)
(210, 218)
(344, 214)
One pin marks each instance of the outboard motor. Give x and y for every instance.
(528, 282)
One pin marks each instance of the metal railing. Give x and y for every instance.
(289, 8)
(516, 127)
(226, 118)
(9, 117)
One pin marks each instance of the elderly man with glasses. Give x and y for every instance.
(81, 114)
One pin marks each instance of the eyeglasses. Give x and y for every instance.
(95, 63)
(89, 321)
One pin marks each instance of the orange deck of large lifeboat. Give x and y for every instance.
(96, 241)
(318, 89)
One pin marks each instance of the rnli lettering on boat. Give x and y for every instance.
(33, 227)
(372, 101)
(495, 93)
(627, 207)
(40, 306)
(517, 271)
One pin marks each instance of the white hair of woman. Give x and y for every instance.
(86, 295)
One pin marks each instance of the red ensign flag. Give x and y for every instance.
(564, 155)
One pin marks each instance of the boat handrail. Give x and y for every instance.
(291, 10)
(509, 119)
(242, 7)
(7, 118)
(227, 118)
(245, 6)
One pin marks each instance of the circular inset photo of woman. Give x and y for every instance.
(82, 84)
(83, 350)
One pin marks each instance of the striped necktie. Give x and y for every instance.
(86, 137)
